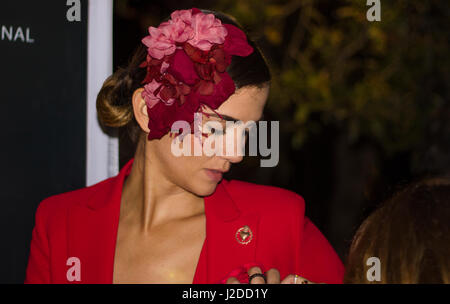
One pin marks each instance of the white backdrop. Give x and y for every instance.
(102, 159)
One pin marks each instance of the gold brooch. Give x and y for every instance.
(244, 235)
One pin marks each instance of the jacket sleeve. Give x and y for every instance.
(319, 262)
(38, 271)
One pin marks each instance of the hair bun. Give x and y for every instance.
(112, 107)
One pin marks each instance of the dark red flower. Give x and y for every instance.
(162, 116)
(153, 69)
(159, 118)
(236, 42)
(220, 92)
(173, 89)
(182, 67)
(210, 72)
(196, 54)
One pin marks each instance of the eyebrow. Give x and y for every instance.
(229, 118)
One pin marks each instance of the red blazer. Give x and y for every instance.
(83, 224)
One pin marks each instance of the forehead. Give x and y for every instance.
(245, 104)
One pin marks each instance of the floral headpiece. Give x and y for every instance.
(186, 67)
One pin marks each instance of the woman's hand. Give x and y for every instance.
(272, 277)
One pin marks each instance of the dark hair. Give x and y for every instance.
(114, 106)
(410, 234)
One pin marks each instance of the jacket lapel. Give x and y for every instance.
(223, 220)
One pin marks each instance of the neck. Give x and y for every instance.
(150, 198)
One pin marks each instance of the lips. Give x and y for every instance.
(214, 175)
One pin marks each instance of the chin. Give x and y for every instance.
(205, 189)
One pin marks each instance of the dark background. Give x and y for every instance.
(43, 122)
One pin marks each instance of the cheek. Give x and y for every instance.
(186, 171)
(187, 164)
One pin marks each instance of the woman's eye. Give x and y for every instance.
(219, 132)
(216, 131)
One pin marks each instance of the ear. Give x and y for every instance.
(140, 110)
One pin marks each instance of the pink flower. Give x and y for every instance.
(181, 31)
(208, 30)
(151, 94)
(162, 40)
(200, 30)
(159, 42)
(183, 15)
(164, 66)
(181, 26)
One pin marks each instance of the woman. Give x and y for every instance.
(409, 236)
(173, 219)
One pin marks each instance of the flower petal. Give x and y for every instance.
(236, 42)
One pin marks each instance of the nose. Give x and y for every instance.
(234, 145)
(233, 159)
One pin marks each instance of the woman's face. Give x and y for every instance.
(200, 174)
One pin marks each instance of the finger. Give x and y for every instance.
(296, 279)
(232, 280)
(256, 280)
(273, 276)
(302, 280)
(289, 279)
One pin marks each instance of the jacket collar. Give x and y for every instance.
(220, 202)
